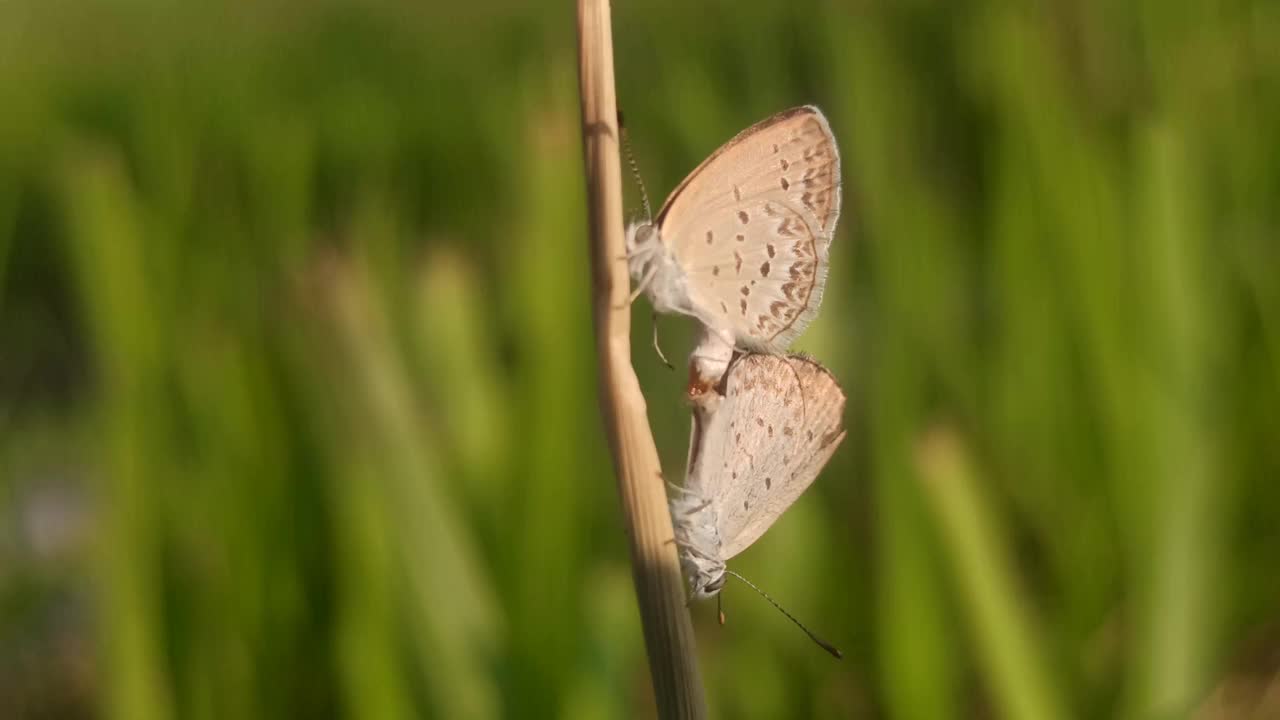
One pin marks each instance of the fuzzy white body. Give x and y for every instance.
(654, 267)
(696, 519)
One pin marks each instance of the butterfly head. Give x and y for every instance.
(641, 244)
(655, 270)
(642, 238)
(708, 584)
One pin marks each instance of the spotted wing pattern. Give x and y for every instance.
(780, 421)
(752, 226)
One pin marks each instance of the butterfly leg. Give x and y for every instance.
(678, 488)
(657, 348)
(706, 502)
(634, 253)
(682, 489)
(640, 287)
(702, 505)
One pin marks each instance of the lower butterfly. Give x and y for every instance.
(755, 451)
(742, 243)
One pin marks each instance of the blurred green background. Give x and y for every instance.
(297, 393)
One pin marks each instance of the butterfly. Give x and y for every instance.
(755, 451)
(742, 244)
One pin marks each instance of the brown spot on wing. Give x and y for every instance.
(789, 228)
(766, 325)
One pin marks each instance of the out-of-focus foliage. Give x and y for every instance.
(297, 397)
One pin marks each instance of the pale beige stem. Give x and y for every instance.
(668, 633)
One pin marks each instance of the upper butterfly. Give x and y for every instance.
(742, 243)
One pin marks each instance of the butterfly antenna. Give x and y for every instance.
(835, 652)
(635, 171)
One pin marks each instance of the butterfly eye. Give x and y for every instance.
(715, 585)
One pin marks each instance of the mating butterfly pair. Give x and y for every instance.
(742, 246)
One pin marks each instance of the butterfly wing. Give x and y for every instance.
(752, 225)
(795, 145)
(764, 282)
(778, 434)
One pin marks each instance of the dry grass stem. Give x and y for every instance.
(668, 633)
